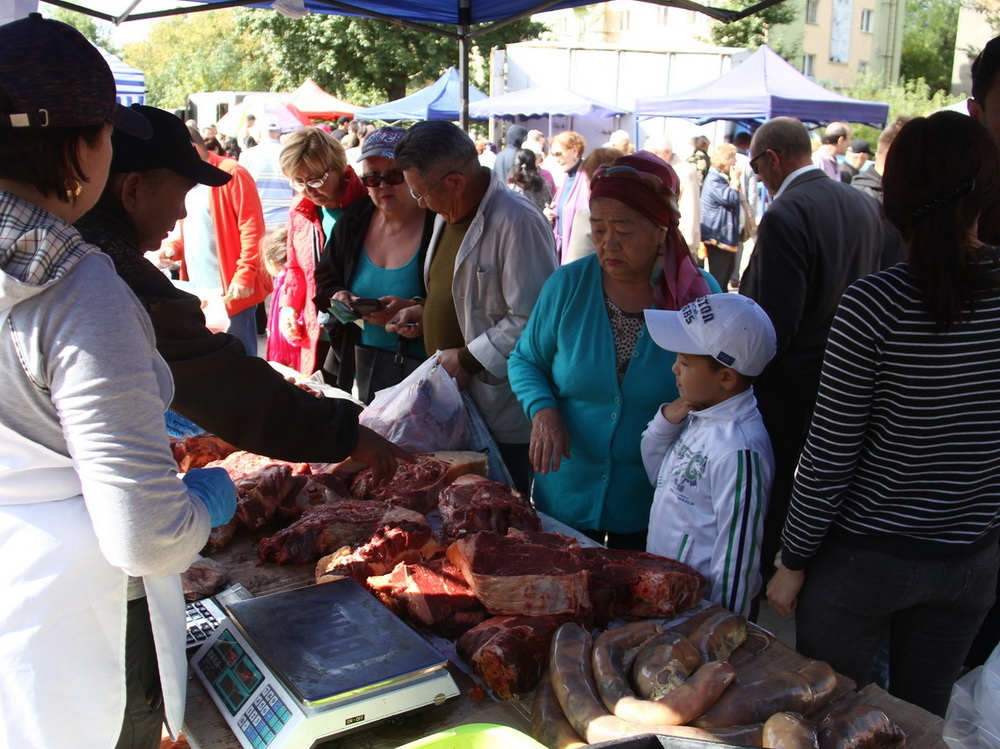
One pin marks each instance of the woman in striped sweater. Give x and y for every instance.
(895, 516)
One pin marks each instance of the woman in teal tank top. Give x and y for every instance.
(376, 252)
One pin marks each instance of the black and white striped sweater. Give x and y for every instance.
(903, 453)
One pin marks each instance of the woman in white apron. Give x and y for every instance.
(94, 523)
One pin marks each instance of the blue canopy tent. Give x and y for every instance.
(460, 14)
(129, 82)
(761, 87)
(442, 100)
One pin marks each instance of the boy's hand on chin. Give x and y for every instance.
(678, 410)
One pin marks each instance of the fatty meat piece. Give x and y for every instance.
(325, 528)
(433, 595)
(241, 464)
(417, 485)
(199, 450)
(391, 545)
(634, 583)
(515, 576)
(473, 503)
(510, 653)
(203, 578)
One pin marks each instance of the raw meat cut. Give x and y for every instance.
(270, 490)
(202, 579)
(473, 503)
(241, 464)
(199, 450)
(407, 542)
(529, 574)
(634, 583)
(432, 595)
(325, 528)
(510, 653)
(417, 485)
(319, 489)
(220, 537)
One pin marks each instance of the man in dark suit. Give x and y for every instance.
(817, 237)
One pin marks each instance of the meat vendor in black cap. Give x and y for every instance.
(239, 398)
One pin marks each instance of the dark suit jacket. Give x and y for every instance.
(814, 240)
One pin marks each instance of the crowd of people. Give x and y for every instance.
(830, 427)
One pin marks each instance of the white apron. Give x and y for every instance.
(63, 612)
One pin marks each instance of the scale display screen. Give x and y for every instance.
(230, 669)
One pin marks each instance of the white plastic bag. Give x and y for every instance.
(423, 413)
(973, 719)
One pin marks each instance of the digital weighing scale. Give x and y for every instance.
(290, 669)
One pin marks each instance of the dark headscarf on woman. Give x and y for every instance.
(649, 185)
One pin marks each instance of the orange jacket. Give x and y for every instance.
(239, 226)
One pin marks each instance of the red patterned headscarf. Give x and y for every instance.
(648, 184)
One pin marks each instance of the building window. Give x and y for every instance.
(812, 9)
(809, 66)
(866, 21)
(623, 20)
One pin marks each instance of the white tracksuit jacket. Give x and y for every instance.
(712, 474)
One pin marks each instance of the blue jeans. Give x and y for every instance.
(931, 609)
(243, 325)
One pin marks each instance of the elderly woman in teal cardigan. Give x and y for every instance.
(586, 371)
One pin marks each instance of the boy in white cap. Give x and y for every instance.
(708, 452)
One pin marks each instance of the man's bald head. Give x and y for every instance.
(785, 134)
(779, 147)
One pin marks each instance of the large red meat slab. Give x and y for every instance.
(530, 574)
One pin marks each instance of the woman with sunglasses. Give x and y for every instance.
(316, 166)
(568, 148)
(372, 268)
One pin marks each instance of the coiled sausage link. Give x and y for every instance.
(573, 682)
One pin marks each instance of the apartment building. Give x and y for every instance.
(834, 40)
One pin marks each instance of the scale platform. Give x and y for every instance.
(291, 669)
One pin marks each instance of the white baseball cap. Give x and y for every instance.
(730, 328)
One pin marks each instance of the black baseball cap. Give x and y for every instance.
(170, 147)
(860, 145)
(51, 76)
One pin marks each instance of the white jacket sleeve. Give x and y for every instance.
(740, 482)
(102, 373)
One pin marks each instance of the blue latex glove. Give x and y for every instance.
(213, 487)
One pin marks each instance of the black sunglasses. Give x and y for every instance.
(755, 159)
(392, 178)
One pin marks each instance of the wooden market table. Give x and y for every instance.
(205, 728)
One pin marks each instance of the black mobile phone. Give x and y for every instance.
(364, 307)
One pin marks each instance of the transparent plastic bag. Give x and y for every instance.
(973, 718)
(423, 413)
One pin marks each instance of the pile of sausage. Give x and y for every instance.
(639, 679)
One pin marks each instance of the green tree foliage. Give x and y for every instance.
(907, 98)
(197, 52)
(96, 31)
(929, 41)
(363, 60)
(753, 31)
(989, 9)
